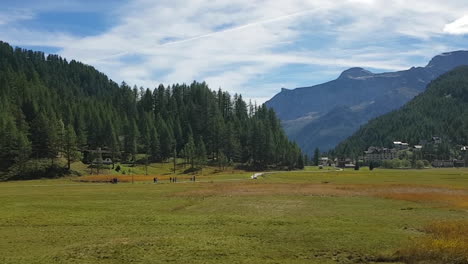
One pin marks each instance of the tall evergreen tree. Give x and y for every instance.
(316, 156)
(155, 146)
(70, 145)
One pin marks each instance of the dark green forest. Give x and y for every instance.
(51, 108)
(442, 111)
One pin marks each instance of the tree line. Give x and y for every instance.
(52, 108)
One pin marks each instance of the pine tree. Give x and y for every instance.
(222, 160)
(189, 151)
(166, 138)
(131, 137)
(43, 137)
(70, 145)
(23, 146)
(200, 153)
(300, 162)
(155, 147)
(316, 156)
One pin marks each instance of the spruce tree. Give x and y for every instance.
(155, 146)
(316, 157)
(70, 146)
(200, 153)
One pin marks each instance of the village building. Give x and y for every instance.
(443, 163)
(400, 145)
(98, 156)
(324, 161)
(344, 163)
(376, 154)
(436, 140)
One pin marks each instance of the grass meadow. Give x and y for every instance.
(311, 216)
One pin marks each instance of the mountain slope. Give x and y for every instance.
(442, 110)
(323, 115)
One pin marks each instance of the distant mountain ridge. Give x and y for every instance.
(323, 115)
(441, 110)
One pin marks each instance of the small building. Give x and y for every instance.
(418, 147)
(443, 163)
(97, 155)
(400, 145)
(324, 161)
(459, 163)
(436, 140)
(344, 163)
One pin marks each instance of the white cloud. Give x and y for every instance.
(237, 44)
(9, 16)
(458, 27)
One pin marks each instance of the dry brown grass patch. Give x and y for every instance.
(443, 196)
(444, 242)
(259, 189)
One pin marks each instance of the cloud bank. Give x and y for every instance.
(253, 47)
(458, 27)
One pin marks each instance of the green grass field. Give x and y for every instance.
(315, 216)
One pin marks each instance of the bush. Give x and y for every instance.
(405, 163)
(419, 164)
(395, 164)
(388, 164)
(426, 163)
(117, 169)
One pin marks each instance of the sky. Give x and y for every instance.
(252, 47)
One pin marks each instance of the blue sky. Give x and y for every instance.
(253, 47)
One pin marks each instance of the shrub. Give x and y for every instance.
(388, 164)
(405, 163)
(419, 164)
(396, 163)
(426, 163)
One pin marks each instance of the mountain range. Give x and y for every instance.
(441, 111)
(323, 115)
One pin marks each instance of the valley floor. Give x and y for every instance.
(316, 216)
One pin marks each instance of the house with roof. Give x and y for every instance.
(400, 145)
(377, 154)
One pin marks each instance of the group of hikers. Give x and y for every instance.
(115, 180)
(174, 179)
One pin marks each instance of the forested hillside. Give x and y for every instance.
(51, 108)
(442, 110)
